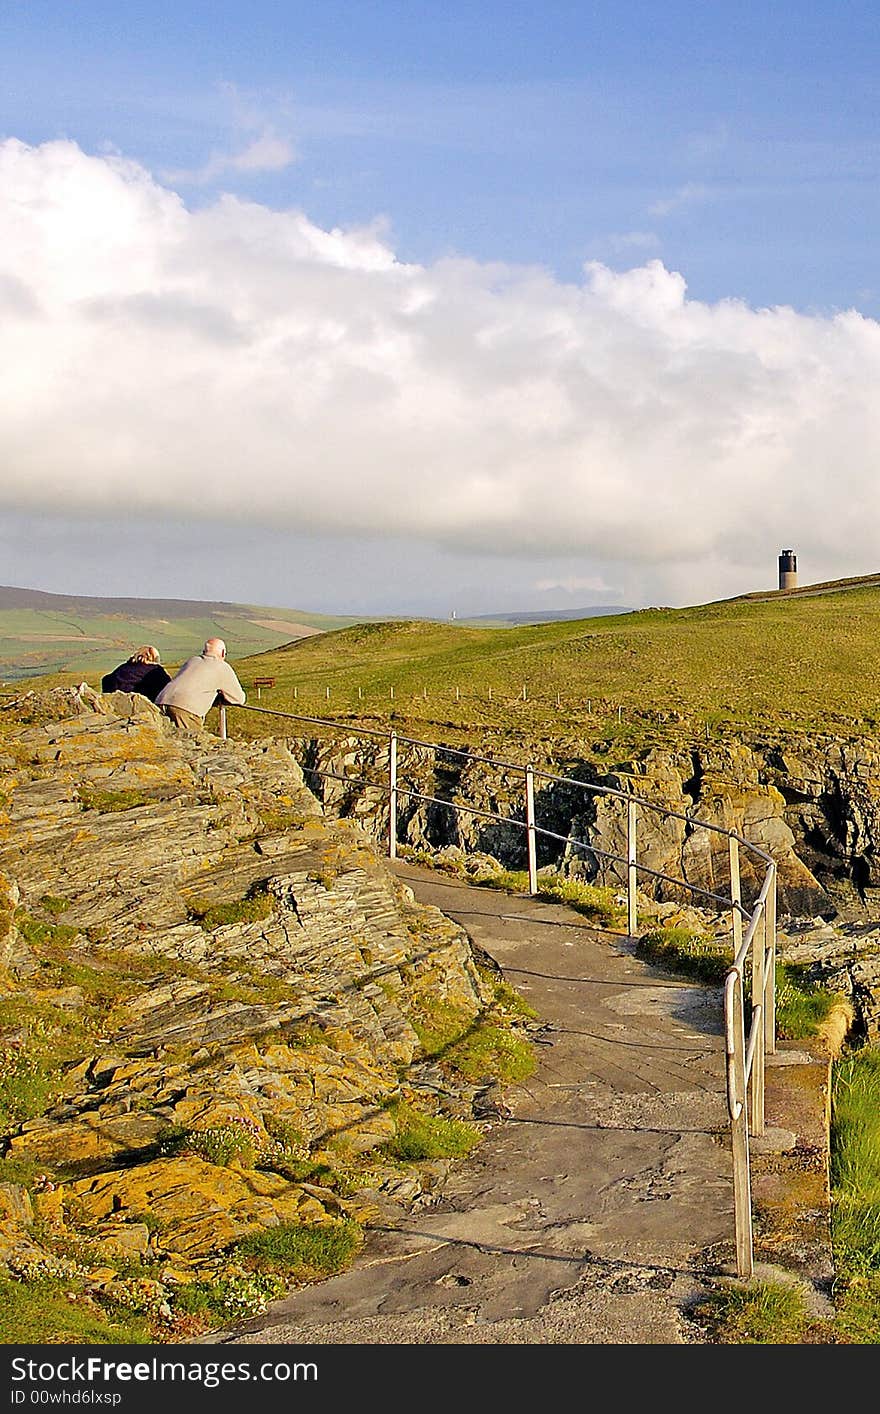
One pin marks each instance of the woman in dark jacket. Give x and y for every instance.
(141, 673)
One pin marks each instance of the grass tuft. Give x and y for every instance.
(424, 1136)
(598, 904)
(302, 1250)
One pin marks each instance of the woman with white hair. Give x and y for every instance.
(142, 673)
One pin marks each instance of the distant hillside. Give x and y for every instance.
(546, 616)
(44, 633)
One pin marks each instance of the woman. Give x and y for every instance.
(140, 673)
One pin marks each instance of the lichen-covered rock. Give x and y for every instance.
(213, 981)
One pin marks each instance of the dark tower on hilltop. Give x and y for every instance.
(787, 569)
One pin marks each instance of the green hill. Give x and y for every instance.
(44, 633)
(806, 660)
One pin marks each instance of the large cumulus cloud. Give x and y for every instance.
(242, 363)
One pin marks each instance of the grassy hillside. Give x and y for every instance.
(50, 633)
(803, 662)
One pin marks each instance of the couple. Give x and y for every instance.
(188, 696)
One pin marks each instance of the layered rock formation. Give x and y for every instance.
(210, 999)
(813, 805)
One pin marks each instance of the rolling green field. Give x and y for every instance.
(791, 664)
(37, 641)
(806, 662)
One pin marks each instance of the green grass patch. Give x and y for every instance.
(423, 1136)
(506, 998)
(490, 1052)
(109, 801)
(52, 904)
(35, 1312)
(27, 1083)
(758, 1313)
(683, 950)
(802, 1004)
(41, 935)
(855, 1160)
(302, 1250)
(597, 904)
(258, 903)
(438, 1022)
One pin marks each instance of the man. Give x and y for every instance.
(190, 694)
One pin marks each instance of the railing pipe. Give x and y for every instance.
(745, 1058)
(632, 921)
(739, 1121)
(530, 828)
(392, 801)
(735, 894)
(770, 987)
(756, 1066)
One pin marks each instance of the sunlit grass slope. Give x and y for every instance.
(808, 663)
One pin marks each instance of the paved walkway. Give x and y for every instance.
(593, 1213)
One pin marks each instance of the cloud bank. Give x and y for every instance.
(243, 364)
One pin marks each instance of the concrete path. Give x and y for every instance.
(593, 1214)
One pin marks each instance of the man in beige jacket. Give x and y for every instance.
(190, 694)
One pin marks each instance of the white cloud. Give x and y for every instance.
(691, 194)
(267, 153)
(246, 365)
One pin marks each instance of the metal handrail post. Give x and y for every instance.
(632, 920)
(530, 830)
(392, 796)
(770, 987)
(737, 1104)
(222, 715)
(759, 983)
(735, 894)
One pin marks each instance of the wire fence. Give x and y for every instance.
(749, 1026)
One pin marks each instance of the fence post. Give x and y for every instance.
(770, 964)
(738, 1108)
(222, 723)
(735, 893)
(530, 823)
(759, 982)
(632, 922)
(392, 799)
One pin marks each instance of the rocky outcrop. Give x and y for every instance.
(732, 787)
(211, 997)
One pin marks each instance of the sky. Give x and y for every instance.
(395, 307)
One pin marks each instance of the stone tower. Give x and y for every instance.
(787, 569)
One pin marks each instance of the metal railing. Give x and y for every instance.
(753, 930)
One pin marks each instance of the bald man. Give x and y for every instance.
(191, 693)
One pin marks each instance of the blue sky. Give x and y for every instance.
(735, 145)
